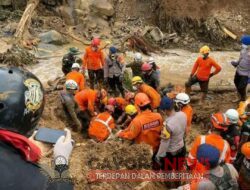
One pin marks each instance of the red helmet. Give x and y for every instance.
(112, 101)
(146, 67)
(220, 121)
(96, 42)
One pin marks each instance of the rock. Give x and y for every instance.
(119, 24)
(79, 12)
(5, 2)
(176, 40)
(52, 37)
(102, 7)
(67, 13)
(157, 34)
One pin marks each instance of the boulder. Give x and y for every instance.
(67, 13)
(52, 37)
(102, 7)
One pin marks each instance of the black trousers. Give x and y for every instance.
(115, 83)
(241, 83)
(96, 76)
(85, 118)
(174, 161)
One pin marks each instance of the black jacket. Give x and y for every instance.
(18, 174)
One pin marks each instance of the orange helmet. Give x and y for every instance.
(245, 150)
(142, 99)
(220, 121)
(112, 101)
(95, 42)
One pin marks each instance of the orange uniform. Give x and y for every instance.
(188, 110)
(153, 95)
(101, 126)
(78, 78)
(211, 139)
(144, 128)
(86, 99)
(202, 68)
(121, 102)
(93, 60)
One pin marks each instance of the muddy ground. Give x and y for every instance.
(88, 155)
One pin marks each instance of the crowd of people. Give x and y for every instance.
(102, 109)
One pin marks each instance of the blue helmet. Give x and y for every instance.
(166, 103)
(208, 155)
(245, 39)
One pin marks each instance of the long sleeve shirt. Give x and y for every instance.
(243, 64)
(202, 68)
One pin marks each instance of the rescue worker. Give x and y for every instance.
(245, 134)
(146, 126)
(69, 104)
(156, 68)
(182, 101)
(131, 112)
(232, 133)
(243, 69)
(93, 61)
(219, 123)
(114, 71)
(150, 76)
(172, 147)
(76, 76)
(215, 176)
(136, 65)
(69, 59)
(87, 101)
(119, 104)
(201, 72)
(140, 86)
(244, 173)
(20, 113)
(101, 126)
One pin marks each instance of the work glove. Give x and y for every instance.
(64, 146)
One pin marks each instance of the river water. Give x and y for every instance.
(175, 64)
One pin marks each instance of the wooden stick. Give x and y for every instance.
(26, 18)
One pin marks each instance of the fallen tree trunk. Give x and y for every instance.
(26, 18)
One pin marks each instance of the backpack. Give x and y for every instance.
(226, 182)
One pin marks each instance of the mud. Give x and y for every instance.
(114, 154)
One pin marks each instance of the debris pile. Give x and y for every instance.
(17, 56)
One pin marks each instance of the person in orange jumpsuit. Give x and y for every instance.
(87, 100)
(146, 126)
(93, 61)
(182, 101)
(76, 76)
(101, 126)
(219, 123)
(201, 72)
(140, 86)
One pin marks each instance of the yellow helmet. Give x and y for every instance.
(137, 80)
(204, 50)
(130, 109)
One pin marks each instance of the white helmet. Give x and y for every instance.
(71, 85)
(232, 115)
(75, 66)
(182, 98)
(151, 60)
(138, 57)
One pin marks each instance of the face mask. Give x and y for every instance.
(135, 88)
(205, 56)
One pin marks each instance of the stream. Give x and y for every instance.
(175, 64)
